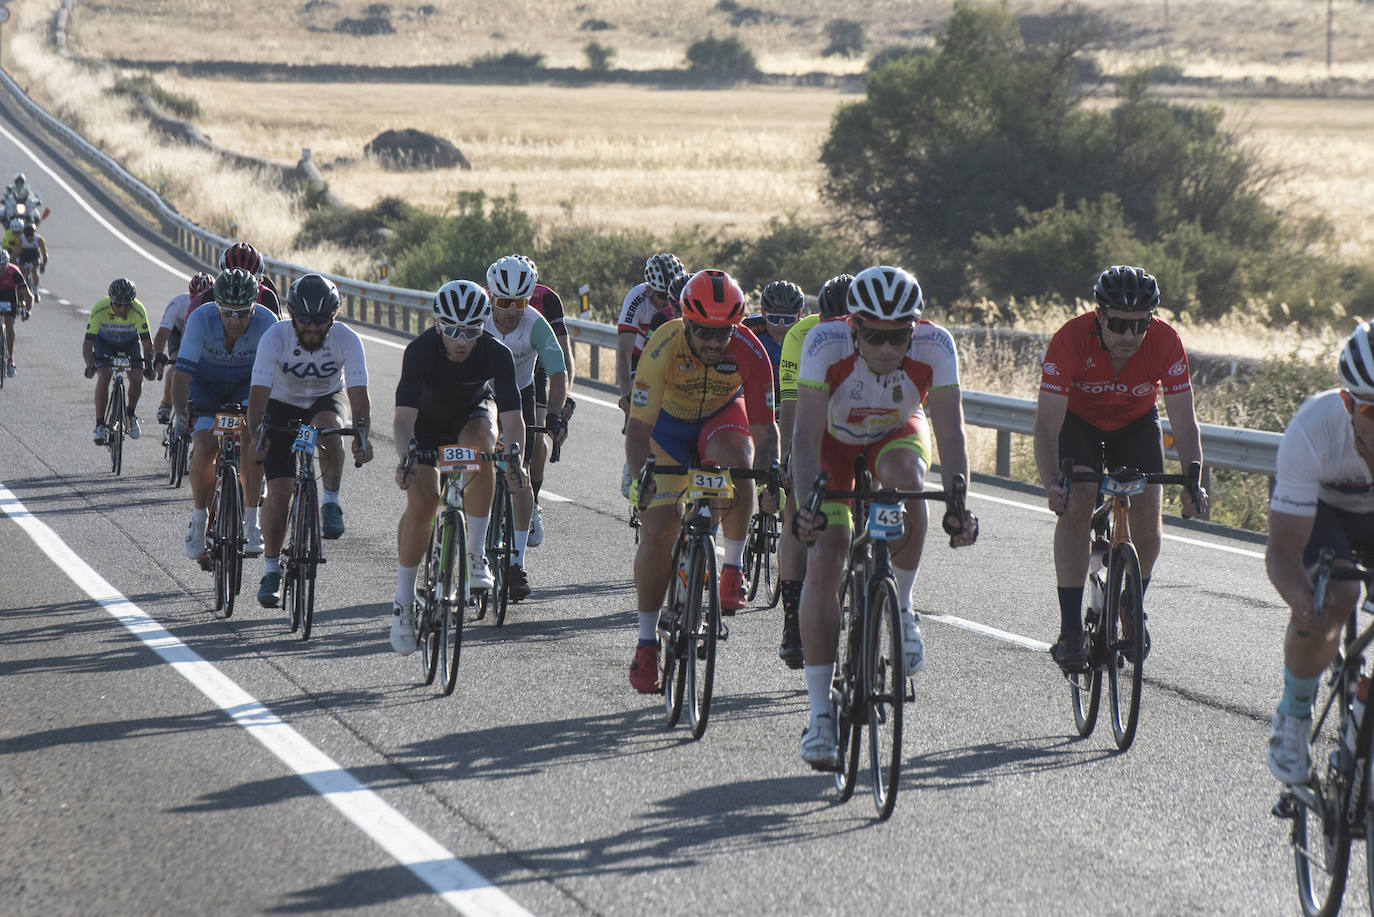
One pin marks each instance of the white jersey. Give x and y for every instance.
(1317, 461)
(865, 407)
(298, 376)
(174, 316)
(635, 314)
(529, 340)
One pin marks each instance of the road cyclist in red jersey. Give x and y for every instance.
(15, 297)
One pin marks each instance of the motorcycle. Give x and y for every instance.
(28, 208)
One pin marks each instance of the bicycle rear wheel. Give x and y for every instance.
(229, 537)
(884, 683)
(672, 638)
(1320, 835)
(428, 609)
(114, 413)
(1126, 639)
(500, 544)
(308, 531)
(454, 599)
(846, 691)
(772, 563)
(703, 621)
(1085, 688)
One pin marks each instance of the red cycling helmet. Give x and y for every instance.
(200, 283)
(241, 255)
(713, 298)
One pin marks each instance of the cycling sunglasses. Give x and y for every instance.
(461, 332)
(1351, 403)
(878, 337)
(1136, 326)
(235, 313)
(510, 303)
(711, 333)
(780, 318)
(313, 319)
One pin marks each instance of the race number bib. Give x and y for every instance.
(709, 485)
(884, 521)
(1114, 488)
(229, 423)
(305, 439)
(457, 459)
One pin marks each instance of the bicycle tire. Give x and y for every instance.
(454, 602)
(1322, 871)
(218, 572)
(845, 689)
(884, 683)
(753, 556)
(499, 547)
(1125, 670)
(1085, 688)
(308, 530)
(229, 538)
(427, 610)
(4, 350)
(114, 412)
(672, 639)
(772, 571)
(703, 622)
(288, 562)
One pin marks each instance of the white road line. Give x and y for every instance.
(80, 202)
(1038, 645)
(377, 340)
(454, 881)
(553, 497)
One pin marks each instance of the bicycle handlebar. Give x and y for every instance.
(1191, 479)
(954, 499)
(1326, 571)
(361, 433)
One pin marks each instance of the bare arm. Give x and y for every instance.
(947, 421)
(624, 350)
(565, 344)
(1187, 441)
(403, 429)
(1050, 411)
(257, 407)
(1288, 535)
(361, 408)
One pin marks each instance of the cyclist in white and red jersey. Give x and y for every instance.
(636, 318)
(1323, 498)
(1098, 384)
(167, 340)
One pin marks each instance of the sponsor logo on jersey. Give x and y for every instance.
(856, 393)
(640, 396)
(1178, 368)
(866, 415)
(1143, 389)
(686, 366)
(308, 370)
(1051, 369)
(768, 399)
(1115, 388)
(726, 367)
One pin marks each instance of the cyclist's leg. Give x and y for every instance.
(478, 432)
(135, 378)
(538, 446)
(522, 502)
(330, 411)
(825, 560)
(1083, 442)
(725, 440)
(9, 334)
(900, 460)
(102, 379)
(1140, 445)
(279, 468)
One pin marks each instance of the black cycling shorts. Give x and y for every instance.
(429, 437)
(1349, 535)
(1137, 445)
(280, 462)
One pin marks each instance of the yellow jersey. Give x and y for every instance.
(105, 326)
(670, 379)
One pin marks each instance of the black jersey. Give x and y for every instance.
(442, 389)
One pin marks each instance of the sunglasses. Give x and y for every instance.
(1136, 326)
(235, 313)
(709, 333)
(877, 337)
(511, 303)
(1351, 403)
(783, 319)
(461, 332)
(312, 319)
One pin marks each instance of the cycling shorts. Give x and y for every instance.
(1137, 445)
(675, 441)
(280, 461)
(27, 256)
(173, 345)
(429, 438)
(133, 350)
(1349, 535)
(837, 459)
(206, 399)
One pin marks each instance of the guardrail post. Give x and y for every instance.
(596, 362)
(1207, 485)
(391, 315)
(1003, 453)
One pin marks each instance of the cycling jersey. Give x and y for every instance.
(672, 381)
(174, 316)
(10, 241)
(549, 305)
(1077, 365)
(759, 325)
(31, 251)
(106, 327)
(299, 377)
(208, 360)
(636, 312)
(442, 389)
(789, 358)
(863, 407)
(11, 283)
(530, 339)
(1317, 461)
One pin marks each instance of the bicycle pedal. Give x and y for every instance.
(1285, 806)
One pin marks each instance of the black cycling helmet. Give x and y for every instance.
(1127, 288)
(236, 288)
(122, 292)
(832, 300)
(312, 295)
(676, 285)
(782, 297)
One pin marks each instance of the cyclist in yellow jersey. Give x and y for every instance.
(791, 552)
(11, 238)
(118, 325)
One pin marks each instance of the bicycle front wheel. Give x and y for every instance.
(672, 638)
(181, 458)
(772, 563)
(1085, 688)
(229, 537)
(115, 423)
(1126, 639)
(453, 598)
(428, 589)
(754, 555)
(703, 621)
(218, 570)
(500, 546)
(307, 539)
(884, 683)
(846, 692)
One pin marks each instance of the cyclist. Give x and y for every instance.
(213, 367)
(862, 385)
(548, 304)
(831, 303)
(1101, 374)
(304, 370)
(244, 256)
(10, 240)
(118, 324)
(781, 304)
(15, 295)
(704, 386)
(510, 284)
(32, 252)
(636, 314)
(456, 382)
(167, 339)
(1323, 498)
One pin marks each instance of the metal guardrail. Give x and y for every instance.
(408, 311)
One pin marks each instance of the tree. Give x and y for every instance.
(844, 36)
(728, 56)
(599, 56)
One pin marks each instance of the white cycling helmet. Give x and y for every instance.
(17, 224)
(462, 302)
(1357, 362)
(884, 292)
(660, 270)
(512, 277)
(4, 259)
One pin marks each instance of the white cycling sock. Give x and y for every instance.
(405, 584)
(477, 535)
(250, 517)
(648, 626)
(198, 517)
(818, 678)
(522, 539)
(734, 552)
(906, 581)
(272, 564)
(328, 496)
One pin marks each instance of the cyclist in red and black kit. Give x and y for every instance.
(15, 296)
(1099, 380)
(242, 255)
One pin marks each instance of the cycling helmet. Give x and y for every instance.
(16, 224)
(19, 179)
(833, 298)
(122, 292)
(241, 255)
(312, 295)
(200, 283)
(1127, 288)
(660, 270)
(1357, 362)
(712, 298)
(236, 288)
(512, 277)
(783, 297)
(462, 302)
(884, 292)
(676, 284)
(4, 259)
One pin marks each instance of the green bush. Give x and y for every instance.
(599, 56)
(184, 107)
(351, 227)
(609, 262)
(431, 249)
(726, 56)
(511, 60)
(844, 36)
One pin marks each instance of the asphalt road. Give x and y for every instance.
(158, 759)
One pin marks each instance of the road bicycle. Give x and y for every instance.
(761, 557)
(301, 553)
(500, 541)
(224, 544)
(871, 684)
(6, 308)
(1332, 807)
(176, 449)
(31, 273)
(1114, 633)
(117, 410)
(691, 623)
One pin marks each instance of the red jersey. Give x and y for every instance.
(1077, 365)
(11, 282)
(550, 306)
